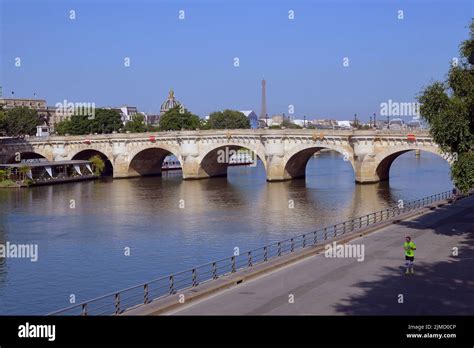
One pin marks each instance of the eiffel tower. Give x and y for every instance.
(263, 110)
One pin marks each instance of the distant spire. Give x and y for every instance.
(263, 111)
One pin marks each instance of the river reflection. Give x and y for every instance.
(83, 228)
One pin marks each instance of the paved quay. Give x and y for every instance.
(443, 283)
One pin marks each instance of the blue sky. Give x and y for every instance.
(82, 60)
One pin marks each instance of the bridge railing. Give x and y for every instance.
(125, 299)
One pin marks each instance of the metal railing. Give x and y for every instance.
(122, 300)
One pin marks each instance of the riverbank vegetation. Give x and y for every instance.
(17, 178)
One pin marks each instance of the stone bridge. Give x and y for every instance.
(284, 153)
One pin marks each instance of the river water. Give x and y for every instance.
(85, 230)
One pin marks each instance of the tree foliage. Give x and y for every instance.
(76, 125)
(104, 121)
(228, 119)
(288, 124)
(137, 124)
(98, 165)
(178, 118)
(19, 121)
(448, 107)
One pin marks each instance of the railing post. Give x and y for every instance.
(250, 259)
(145, 294)
(117, 303)
(214, 270)
(194, 277)
(304, 240)
(344, 227)
(367, 218)
(279, 248)
(171, 285)
(292, 245)
(84, 309)
(325, 233)
(360, 221)
(265, 254)
(315, 237)
(233, 264)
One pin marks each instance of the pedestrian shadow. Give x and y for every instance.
(442, 288)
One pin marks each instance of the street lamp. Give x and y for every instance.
(375, 122)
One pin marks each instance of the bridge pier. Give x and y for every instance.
(192, 169)
(366, 171)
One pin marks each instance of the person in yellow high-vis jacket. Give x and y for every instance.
(409, 248)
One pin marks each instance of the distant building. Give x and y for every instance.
(126, 112)
(301, 123)
(344, 124)
(277, 120)
(414, 124)
(396, 123)
(153, 120)
(10, 103)
(253, 118)
(325, 124)
(56, 115)
(169, 103)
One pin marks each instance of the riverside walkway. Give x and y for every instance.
(443, 283)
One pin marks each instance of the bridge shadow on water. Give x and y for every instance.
(441, 288)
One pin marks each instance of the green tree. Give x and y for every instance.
(98, 164)
(23, 170)
(20, 121)
(76, 125)
(228, 119)
(448, 107)
(177, 119)
(106, 121)
(4, 174)
(137, 124)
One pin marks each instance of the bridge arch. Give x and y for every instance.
(149, 161)
(86, 154)
(385, 160)
(296, 160)
(214, 162)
